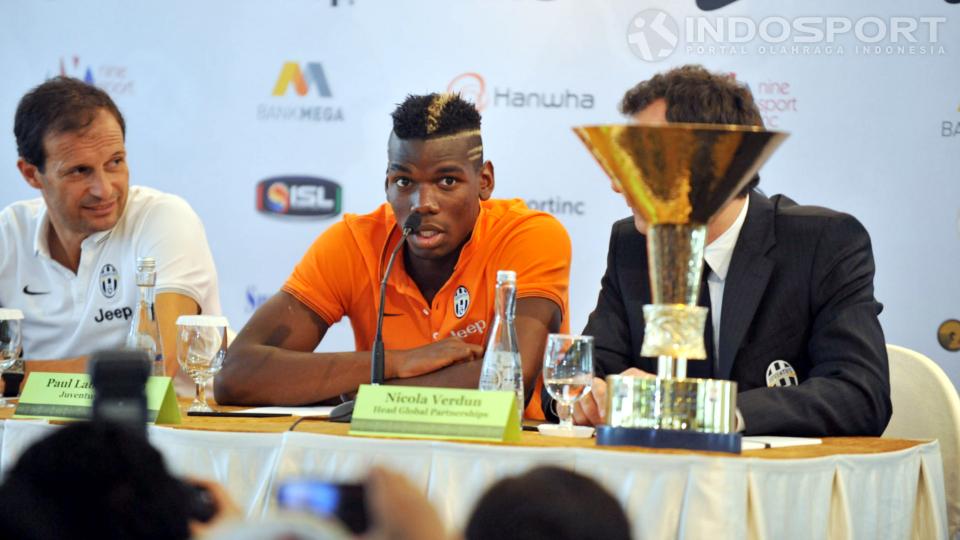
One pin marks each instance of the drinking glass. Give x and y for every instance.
(11, 337)
(201, 346)
(568, 372)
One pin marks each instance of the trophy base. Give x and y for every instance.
(669, 438)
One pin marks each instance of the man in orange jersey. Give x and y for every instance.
(440, 294)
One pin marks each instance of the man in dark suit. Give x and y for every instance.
(790, 292)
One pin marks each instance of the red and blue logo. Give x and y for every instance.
(299, 196)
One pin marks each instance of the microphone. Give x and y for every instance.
(411, 224)
(344, 411)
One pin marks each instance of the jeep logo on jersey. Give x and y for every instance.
(109, 280)
(781, 373)
(461, 301)
(299, 196)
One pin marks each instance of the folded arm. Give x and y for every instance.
(272, 360)
(535, 318)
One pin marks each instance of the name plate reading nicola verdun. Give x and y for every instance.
(69, 396)
(435, 413)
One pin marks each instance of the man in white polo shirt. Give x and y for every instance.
(69, 258)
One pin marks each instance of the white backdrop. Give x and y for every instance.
(869, 90)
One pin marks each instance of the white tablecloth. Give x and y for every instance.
(896, 495)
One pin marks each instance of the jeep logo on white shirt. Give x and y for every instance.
(120, 313)
(109, 280)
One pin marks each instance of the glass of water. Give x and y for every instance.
(201, 346)
(568, 372)
(11, 338)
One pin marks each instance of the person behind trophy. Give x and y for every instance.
(793, 318)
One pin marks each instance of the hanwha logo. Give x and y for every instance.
(653, 35)
(949, 335)
(781, 373)
(471, 87)
(461, 301)
(109, 280)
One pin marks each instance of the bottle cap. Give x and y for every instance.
(10, 314)
(506, 275)
(146, 263)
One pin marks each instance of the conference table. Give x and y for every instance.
(846, 487)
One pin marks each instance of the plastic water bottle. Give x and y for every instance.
(501, 368)
(144, 330)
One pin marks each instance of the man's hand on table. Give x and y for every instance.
(429, 358)
(591, 410)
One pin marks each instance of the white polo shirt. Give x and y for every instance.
(67, 314)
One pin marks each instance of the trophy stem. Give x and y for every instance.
(669, 367)
(676, 262)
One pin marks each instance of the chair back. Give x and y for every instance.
(926, 406)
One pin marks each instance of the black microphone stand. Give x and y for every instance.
(344, 412)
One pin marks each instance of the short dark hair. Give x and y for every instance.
(694, 94)
(434, 115)
(59, 105)
(548, 503)
(117, 487)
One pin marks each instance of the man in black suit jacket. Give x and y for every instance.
(798, 327)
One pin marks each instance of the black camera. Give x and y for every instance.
(200, 503)
(119, 378)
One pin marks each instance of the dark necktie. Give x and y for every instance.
(711, 362)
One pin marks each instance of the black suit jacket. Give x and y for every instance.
(800, 289)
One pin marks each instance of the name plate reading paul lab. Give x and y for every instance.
(435, 413)
(69, 396)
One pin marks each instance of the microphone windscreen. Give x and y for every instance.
(413, 222)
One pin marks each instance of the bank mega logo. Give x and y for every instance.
(301, 92)
(111, 78)
(292, 75)
(654, 35)
(299, 197)
(472, 87)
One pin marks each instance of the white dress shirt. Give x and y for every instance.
(718, 254)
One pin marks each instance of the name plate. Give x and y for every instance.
(435, 413)
(69, 396)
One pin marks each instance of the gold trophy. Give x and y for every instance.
(676, 176)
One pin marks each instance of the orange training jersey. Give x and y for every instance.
(340, 276)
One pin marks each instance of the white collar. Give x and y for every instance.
(719, 252)
(41, 245)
